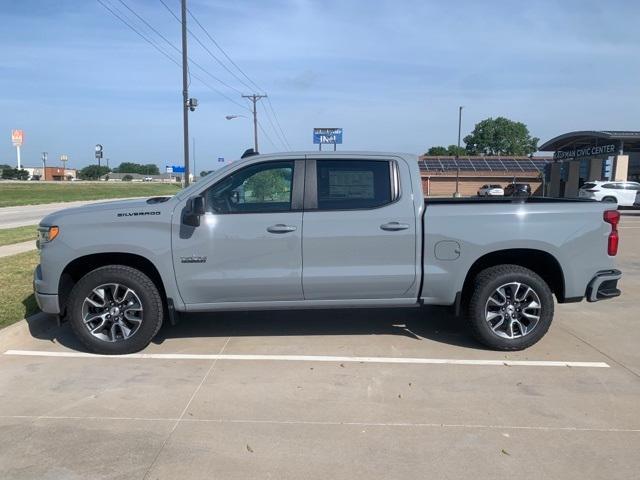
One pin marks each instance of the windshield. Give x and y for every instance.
(191, 189)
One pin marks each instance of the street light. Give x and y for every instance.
(231, 117)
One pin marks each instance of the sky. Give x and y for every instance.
(390, 73)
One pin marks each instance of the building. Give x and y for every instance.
(52, 174)
(440, 174)
(138, 177)
(591, 155)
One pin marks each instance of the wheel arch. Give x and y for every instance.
(539, 261)
(80, 266)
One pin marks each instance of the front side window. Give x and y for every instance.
(264, 187)
(352, 184)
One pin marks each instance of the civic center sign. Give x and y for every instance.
(609, 149)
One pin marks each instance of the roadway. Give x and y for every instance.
(23, 215)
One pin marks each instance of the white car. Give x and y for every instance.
(622, 193)
(490, 190)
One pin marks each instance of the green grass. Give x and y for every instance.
(9, 236)
(16, 275)
(33, 193)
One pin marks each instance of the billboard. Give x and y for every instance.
(174, 169)
(330, 136)
(17, 137)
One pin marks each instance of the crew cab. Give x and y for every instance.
(322, 230)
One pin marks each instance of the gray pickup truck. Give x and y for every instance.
(321, 230)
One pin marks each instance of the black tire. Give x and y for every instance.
(147, 292)
(485, 284)
(610, 199)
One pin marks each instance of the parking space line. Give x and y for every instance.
(549, 428)
(315, 358)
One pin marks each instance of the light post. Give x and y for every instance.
(457, 194)
(45, 155)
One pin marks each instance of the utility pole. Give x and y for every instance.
(193, 156)
(185, 93)
(457, 194)
(254, 98)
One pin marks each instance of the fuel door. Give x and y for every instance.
(447, 250)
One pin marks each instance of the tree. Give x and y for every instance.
(500, 136)
(272, 184)
(131, 167)
(437, 151)
(451, 150)
(454, 150)
(127, 178)
(204, 173)
(93, 172)
(14, 174)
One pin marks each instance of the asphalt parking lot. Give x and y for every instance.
(373, 394)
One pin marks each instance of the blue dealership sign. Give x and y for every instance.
(175, 169)
(330, 136)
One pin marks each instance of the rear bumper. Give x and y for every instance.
(604, 285)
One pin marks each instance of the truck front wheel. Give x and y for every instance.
(115, 310)
(511, 307)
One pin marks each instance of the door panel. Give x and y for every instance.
(367, 252)
(244, 261)
(248, 246)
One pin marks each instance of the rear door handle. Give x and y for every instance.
(281, 228)
(394, 226)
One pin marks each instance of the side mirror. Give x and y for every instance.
(194, 209)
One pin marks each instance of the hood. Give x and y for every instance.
(136, 205)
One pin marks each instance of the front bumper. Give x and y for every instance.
(604, 285)
(48, 303)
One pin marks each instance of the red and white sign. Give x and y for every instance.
(17, 137)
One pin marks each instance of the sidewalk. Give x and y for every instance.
(14, 249)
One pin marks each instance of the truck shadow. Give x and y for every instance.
(429, 323)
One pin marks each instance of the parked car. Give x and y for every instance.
(622, 193)
(235, 241)
(517, 190)
(492, 190)
(147, 179)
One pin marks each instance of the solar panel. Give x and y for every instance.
(479, 164)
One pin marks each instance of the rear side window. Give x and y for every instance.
(613, 186)
(353, 184)
(632, 186)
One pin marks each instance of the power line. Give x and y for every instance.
(279, 137)
(113, 10)
(267, 136)
(278, 123)
(177, 49)
(213, 40)
(211, 54)
(279, 132)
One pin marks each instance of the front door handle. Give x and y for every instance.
(281, 228)
(394, 226)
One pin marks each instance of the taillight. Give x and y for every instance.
(612, 217)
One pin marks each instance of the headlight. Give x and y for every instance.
(47, 234)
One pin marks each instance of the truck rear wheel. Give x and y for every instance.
(511, 307)
(115, 310)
